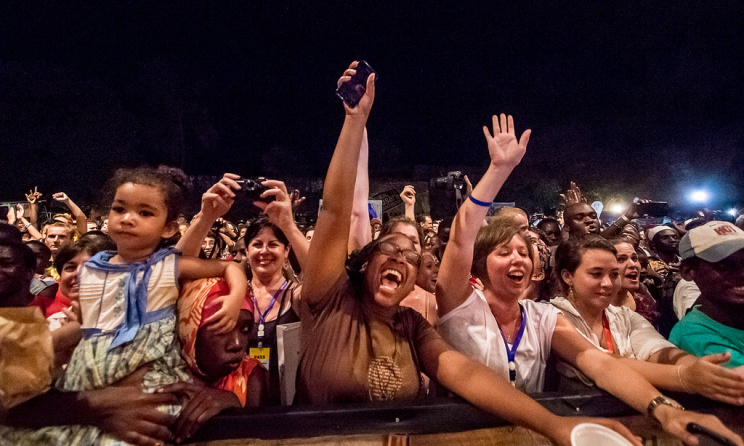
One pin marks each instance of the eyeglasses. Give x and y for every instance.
(391, 249)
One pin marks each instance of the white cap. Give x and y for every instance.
(712, 242)
(655, 230)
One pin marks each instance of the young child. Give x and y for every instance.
(128, 297)
(221, 360)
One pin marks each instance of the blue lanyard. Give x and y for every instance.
(262, 316)
(511, 353)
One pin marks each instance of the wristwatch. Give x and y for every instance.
(659, 400)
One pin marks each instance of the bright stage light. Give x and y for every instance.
(732, 212)
(699, 196)
(617, 208)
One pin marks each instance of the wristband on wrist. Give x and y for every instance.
(485, 204)
(26, 225)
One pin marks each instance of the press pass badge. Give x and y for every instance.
(260, 354)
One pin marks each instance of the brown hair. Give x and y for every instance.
(498, 232)
(569, 254)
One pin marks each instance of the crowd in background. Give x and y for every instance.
(141, 323)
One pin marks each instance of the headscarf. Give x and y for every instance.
(192, 313)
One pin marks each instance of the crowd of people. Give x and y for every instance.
(140, 325)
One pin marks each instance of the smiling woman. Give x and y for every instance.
(590, 276)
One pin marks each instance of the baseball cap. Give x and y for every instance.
(712, 242)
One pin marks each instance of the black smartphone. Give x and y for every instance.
(653, 209)
(707, 437)
(351, 91)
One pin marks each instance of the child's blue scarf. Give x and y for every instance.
(136, 292)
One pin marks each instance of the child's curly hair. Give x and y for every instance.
(171, 181)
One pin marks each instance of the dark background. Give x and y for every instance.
(626, 98)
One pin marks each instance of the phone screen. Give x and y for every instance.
(351, 92)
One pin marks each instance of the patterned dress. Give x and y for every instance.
(129, 320)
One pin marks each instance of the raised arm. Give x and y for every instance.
(35, 234)
(409, 202)
(361, 231)
(33, 197)
(81, 221)
(506, 152)
(280, 213)
(327, 254)
(215, 203)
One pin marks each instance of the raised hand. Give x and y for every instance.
(573, 195)
(218, 199)
(61, 197)
(408, 195)
(19, 211)
(296, 199)
(503, 146)
(279, 210)
(365, 104)
(33, 195)
(11, 216)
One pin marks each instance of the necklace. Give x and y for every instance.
(509, 338)
(384, 376)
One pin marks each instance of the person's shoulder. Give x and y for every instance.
(539, 308)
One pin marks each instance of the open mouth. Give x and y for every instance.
(516, 276)
(390, 280)
(633, 275)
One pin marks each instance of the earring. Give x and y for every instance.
(570, 292)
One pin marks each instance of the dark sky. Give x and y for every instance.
(626, 98)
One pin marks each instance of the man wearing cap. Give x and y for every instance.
(663, 263)
(663, 241)
(713, 257)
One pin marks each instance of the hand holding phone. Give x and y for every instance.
(351, 91)
(707, 437)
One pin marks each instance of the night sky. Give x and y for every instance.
(626, 98)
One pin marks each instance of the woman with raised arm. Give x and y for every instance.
(514, 338)
(358, 343)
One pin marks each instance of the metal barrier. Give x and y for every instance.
(436, 421)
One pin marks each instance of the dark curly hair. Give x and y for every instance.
(171, 181)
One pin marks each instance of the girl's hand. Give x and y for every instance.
(562, 432)
(675, 422)
(365, 104)
(226, 317)
(279, 210)
(218, 199)
(706, 377)
(19, 211)
(503, 146)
